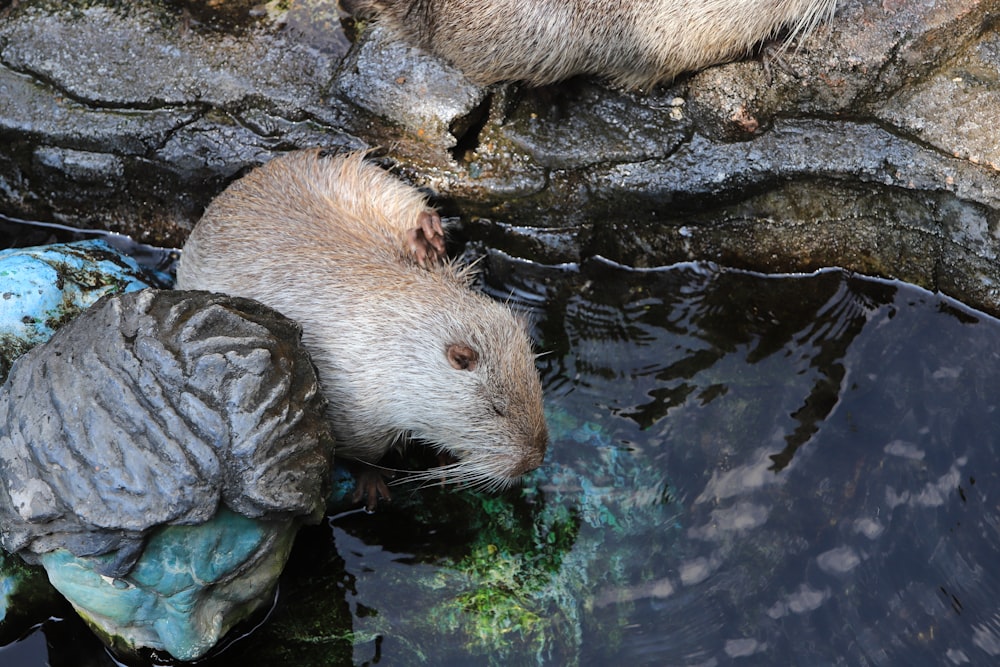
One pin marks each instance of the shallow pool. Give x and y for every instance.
(743, 469)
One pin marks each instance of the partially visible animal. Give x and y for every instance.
(633, 43)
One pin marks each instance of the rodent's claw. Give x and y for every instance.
(427, 239)
(370, 486)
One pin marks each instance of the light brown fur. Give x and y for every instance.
(634, 43)
(329, 242)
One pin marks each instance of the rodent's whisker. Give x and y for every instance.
(383, 468)
(461, 475)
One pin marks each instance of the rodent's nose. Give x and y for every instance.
(532, 454)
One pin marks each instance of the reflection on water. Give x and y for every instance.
(749, 469)
(830, 444)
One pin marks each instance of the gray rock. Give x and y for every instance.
(887, 109)
(168, 111)
(403, 85)
(147, 59)
(954, 109)
(158, 408)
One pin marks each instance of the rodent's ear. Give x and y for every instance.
(462, 357)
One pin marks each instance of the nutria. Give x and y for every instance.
(635, 44)
(404, 347)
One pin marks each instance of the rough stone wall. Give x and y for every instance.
(872, 145)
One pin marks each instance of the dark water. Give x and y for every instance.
(831, 443)
(797, 470)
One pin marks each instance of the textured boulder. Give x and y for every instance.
(151, 415)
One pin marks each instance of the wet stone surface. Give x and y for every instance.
(163, 111)
(158, 105)
(391, 79)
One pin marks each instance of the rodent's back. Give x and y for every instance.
(636, 44)
(338, 205)
(323, 240)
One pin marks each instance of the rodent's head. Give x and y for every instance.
(480, 396)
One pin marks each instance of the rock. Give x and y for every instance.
(157, 456)
(191, 585)
(110, 90)
(886, 110)
(42, 288)
(399, 83)
(926, 110)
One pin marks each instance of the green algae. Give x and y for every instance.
(513, 578)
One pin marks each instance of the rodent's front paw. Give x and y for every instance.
(427, 239)
(370, 485)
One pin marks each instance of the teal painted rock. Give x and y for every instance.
(191, 584)
(43, 287)
(157, 456)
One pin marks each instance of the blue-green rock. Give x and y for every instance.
(42, 288)
(191, 584)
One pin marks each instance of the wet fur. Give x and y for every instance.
(634, 43)
(324, 240)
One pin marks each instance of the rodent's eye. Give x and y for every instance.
(500, 409)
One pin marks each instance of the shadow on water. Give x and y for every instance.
(744, 468)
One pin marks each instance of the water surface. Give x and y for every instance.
(744, 470)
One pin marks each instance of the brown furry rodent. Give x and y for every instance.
(634, 43)
(403, 346)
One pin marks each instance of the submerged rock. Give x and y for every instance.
(157, 456)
